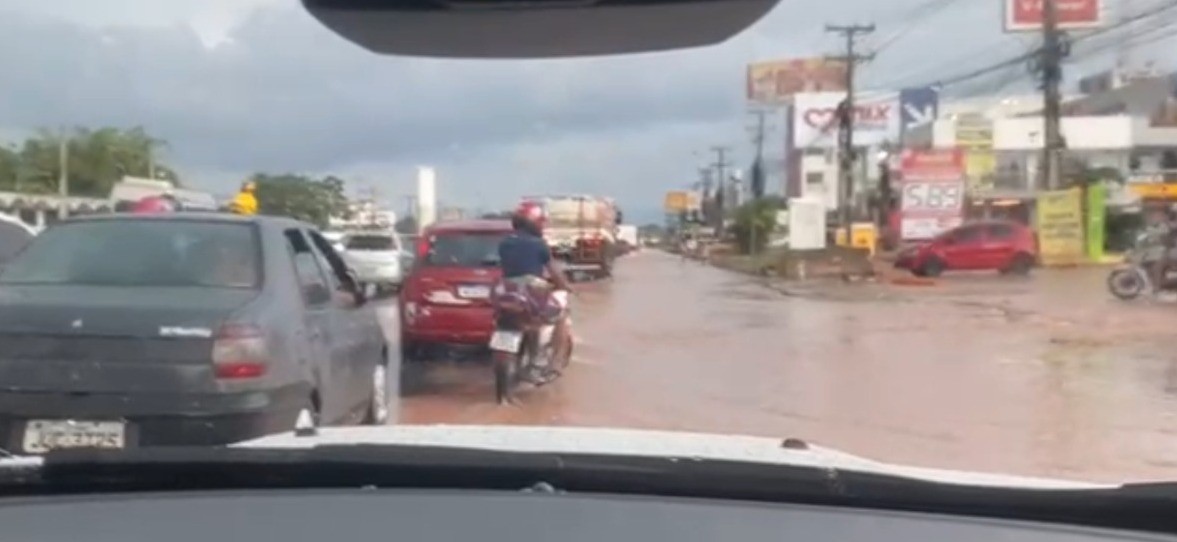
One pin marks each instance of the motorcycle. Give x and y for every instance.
(521, 345)
(1131, 279)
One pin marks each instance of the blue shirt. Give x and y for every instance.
(522, 254)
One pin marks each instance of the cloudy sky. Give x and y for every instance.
(244, 85)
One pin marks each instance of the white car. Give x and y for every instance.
(378, 258)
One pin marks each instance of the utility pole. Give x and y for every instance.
(846, 117)
(720, 164)
(63, 173)
(757, 175)
(1051, 68)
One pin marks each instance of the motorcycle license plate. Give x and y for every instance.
(506, 341)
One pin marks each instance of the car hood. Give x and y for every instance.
(633, 442)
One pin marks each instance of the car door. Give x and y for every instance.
(998, 245)
(354, 326)
(317, 329)
(963, 250)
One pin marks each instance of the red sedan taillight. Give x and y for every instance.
(239, 352)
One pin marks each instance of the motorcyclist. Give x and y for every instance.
(245, 202)
(1157, 243)
(526, 260)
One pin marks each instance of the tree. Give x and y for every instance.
(301, 197)
(406, 225)
(97, 159)
(755, 222)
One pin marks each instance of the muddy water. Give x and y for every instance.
(1041, 376)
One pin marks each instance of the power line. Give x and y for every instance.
(1022, 58)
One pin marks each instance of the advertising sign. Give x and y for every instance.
(1026, 15)
(815, 120)
(932, 192)
(1060, 227)
(776, 81)
(918, 106)
(675, 202)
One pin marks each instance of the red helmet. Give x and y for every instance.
(533, 212)
(154, 204)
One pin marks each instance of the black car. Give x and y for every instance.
(174, 329)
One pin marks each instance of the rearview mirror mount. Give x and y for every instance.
(535, 28)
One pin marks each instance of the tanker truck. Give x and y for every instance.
(582, 231)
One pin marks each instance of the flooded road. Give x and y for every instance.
(1044, 375)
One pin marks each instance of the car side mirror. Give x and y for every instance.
(316, 293)
(355, 289)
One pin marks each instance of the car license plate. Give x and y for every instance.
(474, 292)
(506, 341)
(41, 436)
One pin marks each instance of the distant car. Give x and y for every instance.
(378, 258)
(445, 300)
(1005, 246)
(126, 330)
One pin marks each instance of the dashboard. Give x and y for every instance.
(452, 516)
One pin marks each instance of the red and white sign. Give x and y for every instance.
(933, 192)
(815, 120)
(1026, 15)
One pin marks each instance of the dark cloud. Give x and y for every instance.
(285, 94)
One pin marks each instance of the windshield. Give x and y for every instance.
(463, 250)
(789, 233)
(370, 242)
(139, 253)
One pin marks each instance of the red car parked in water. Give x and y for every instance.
(1005, 246)
(445, 299)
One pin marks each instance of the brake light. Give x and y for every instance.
(422, 247)
(239, 351)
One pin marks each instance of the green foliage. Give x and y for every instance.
(755, 222)
(97, 159)
(302, 197)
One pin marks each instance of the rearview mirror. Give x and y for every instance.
(534, 29)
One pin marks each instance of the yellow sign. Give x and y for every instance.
(677, 202)
(980, 165)
(1154, 190)
(1060, 227)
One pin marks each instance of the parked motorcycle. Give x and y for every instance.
(521, 345)
(1131, 279)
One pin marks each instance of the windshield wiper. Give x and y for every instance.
(1132, 507)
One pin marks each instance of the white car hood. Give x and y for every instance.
(631, 442)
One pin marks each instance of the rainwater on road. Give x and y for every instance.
(1046, 375)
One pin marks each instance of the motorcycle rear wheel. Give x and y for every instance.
(1126, 284)
(506, 367)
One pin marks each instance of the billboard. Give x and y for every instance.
(815, 123)
(775, 82)
(932, 192)
(1026, 15)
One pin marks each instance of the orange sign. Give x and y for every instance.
(676, 202)
(1154, 190)
(778, 80)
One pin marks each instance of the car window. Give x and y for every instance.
(141, 253)
(306, 266)
(463, 250)
(966, 235)
(999, 232)
(334, 263)
(370, 242)
(13, 239)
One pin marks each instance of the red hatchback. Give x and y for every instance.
(1003, 246)
(445, 299)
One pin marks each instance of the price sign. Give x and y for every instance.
(933, 197)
